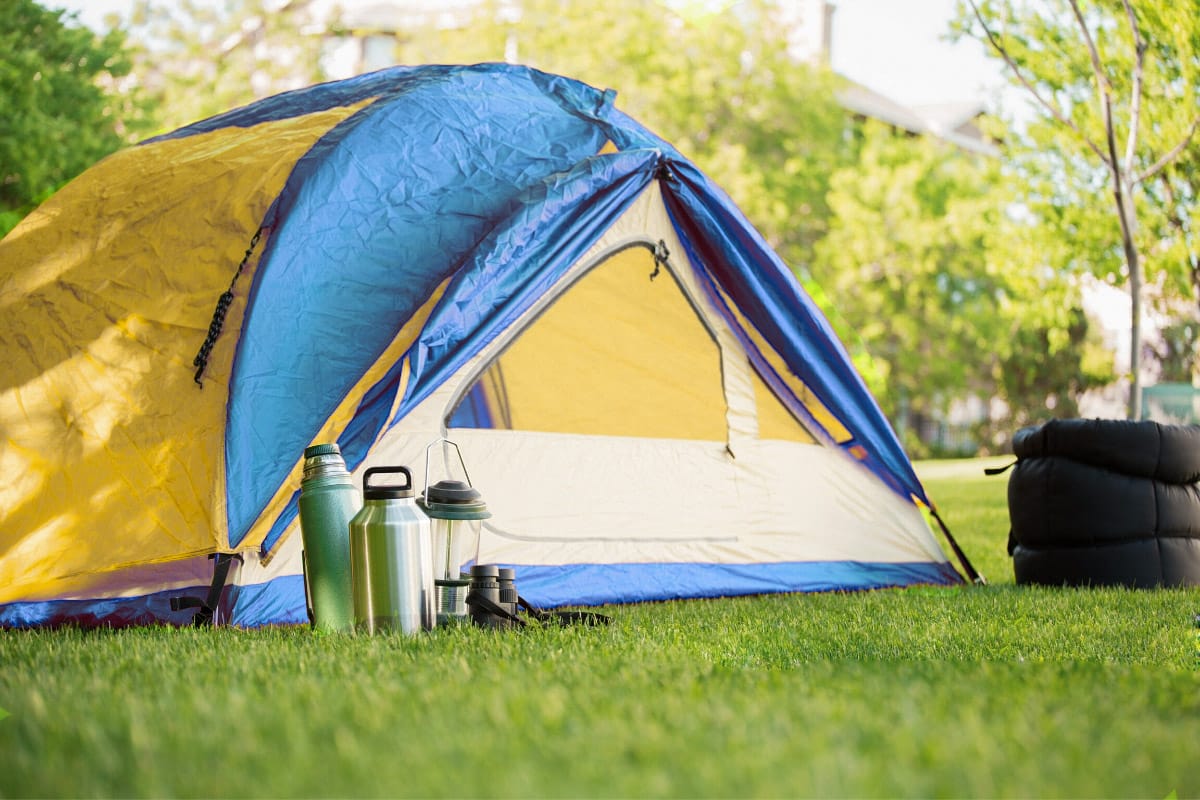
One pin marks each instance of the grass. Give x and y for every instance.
(996, 691)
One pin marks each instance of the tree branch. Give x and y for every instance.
(1104, 86)
(1126, 215)
(1012, 64)
(245, 35)
(1135, 102)
(1157, 166)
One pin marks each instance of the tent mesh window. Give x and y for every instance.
(653, 370)
(618, 354)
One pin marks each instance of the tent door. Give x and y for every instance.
(622, 349)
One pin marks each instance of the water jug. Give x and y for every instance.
(391, 559)
(328, 501)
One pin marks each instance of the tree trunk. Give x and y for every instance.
(1135, 336)
(1134, 263)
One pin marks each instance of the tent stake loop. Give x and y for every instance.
(206, 608)
(661, 256)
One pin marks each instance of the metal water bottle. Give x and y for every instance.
(391, 558)
(328, 501)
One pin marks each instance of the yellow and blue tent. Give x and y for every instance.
(648, 401)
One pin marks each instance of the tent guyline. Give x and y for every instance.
(200, 362)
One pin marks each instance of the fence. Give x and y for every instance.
(1175, 403)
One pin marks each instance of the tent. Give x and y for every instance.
(649, 403)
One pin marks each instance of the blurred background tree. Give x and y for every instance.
(64, 103)
(928, 267)
(1109, 159)
(197, 58)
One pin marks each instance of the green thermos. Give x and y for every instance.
(328, 501)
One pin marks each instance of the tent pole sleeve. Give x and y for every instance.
(973, 575)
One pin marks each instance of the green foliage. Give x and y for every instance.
(1039, 380)
(1061, 179)
(1178, 354)
(62, 103)
(964, 692)
(198, 58)
(932, 268)
(922, 267)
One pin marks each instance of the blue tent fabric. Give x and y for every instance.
(601, 584)
(748, 271)
(404, 190)
(439, 177)
(507, 272)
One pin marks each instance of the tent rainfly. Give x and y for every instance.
(651, 405)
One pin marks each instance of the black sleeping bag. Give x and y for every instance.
(1141, 564)
(1106, 502)
(1146, 449)
(1059, 502)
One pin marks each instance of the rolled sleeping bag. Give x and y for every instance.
(1147, 449)
(1142, 564)
(1056, 502)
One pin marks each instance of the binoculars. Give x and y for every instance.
(492, 602)
(492, 597)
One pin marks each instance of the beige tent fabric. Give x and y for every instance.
(601, 488)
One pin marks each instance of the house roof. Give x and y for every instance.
(950, 122)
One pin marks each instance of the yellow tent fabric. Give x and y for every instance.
(89, 315)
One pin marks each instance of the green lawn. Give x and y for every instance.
(972, 691)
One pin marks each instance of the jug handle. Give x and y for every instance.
(389, 470)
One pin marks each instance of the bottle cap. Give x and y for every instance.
(322, 450)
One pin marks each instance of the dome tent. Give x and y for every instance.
(649, 403)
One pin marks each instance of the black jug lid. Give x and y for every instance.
(387, 491)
